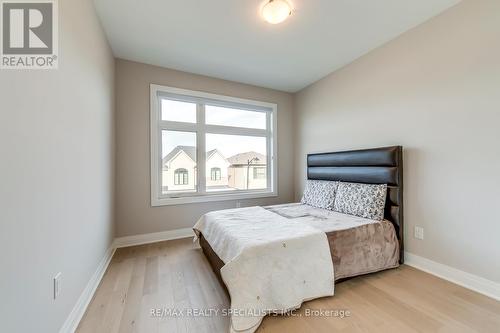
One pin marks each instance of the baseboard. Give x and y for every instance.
(464, 279)
(81, 305)
(153, 237)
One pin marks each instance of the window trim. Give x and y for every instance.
(156, 125)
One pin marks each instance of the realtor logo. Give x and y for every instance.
(29, 34)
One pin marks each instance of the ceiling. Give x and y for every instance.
(228, 39)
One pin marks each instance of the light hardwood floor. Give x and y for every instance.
(175, 274)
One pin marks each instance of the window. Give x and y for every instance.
(178, 161)
(259, 173)
(181, 177)
(207, 147)
(215, 174)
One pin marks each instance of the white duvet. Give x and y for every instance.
(272, 264)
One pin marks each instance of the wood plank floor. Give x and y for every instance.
(176, 275)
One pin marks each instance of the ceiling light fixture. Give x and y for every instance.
(276, 11)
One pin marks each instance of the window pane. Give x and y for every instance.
(242, 161)
(215, 173)
(259, 173)
(178, 161)
(216, 115)
(178, 111)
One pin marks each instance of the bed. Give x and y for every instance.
(356, 246)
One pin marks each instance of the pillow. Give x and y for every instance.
(320, 193)
(363, 200)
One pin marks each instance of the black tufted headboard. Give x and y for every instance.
(370, 166)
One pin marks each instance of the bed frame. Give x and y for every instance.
(369, 166)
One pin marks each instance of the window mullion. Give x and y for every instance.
(177, 126)
(201, 148)
(270, 153)
(232, 130)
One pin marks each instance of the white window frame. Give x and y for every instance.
(201, 128)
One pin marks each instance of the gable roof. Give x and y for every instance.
(243, 158)
(238, 159)
(190, 151)
(211, 153)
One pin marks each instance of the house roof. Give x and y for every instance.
(238, 159)
(243, 158)
(189, 150)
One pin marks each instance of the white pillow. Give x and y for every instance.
(320, 193)
(363, 200)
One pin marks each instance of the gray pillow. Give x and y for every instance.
(319, 193)
(363, 200)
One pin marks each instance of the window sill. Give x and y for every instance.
(155, 202)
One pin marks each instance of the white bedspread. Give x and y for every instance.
(271, 263)
(319, 218)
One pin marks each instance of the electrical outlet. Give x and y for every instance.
(57, 285)
(419, 232)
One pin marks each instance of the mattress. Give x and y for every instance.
(357, 245)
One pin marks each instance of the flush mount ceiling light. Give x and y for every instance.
(276, 11)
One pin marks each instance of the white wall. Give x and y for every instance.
(56, 148)
(134, 214)
(436, 91)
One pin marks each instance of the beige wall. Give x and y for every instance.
(436, 91)
(56, 148)
(134, 214)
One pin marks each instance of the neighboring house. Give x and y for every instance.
(248, 171)
(216, 175)
(179, 169)
(180, 173)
